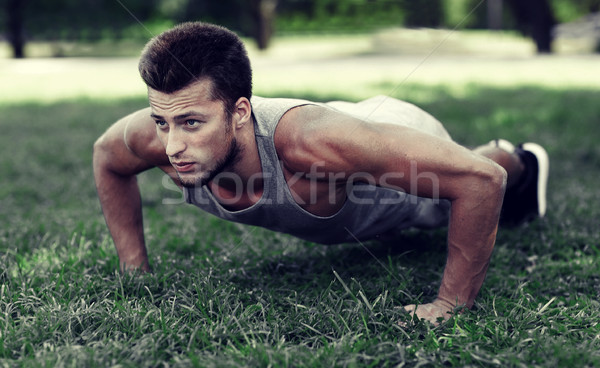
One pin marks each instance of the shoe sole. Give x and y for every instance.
(543, 170)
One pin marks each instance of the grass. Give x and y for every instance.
(229, 295)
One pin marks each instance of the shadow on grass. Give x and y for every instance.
(390, 264)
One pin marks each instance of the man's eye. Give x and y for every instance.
(192, 123)
(161, 123)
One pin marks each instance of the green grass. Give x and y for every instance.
(228, 295)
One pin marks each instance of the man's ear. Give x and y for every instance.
(242, 112)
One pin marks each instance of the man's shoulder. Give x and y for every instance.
(270, 112)
(139, 128)
(260, 100)
(140, 136)
(311, 133)
(274, 106)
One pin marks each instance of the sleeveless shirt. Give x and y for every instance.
(368, 211)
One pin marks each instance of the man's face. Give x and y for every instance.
(195, 131)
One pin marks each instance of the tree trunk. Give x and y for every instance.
(535, 18)
(494, 14)
(263, 14)
(15, 31)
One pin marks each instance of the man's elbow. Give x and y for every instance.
(498, 178)
(492, 181)
(103, 158)
(99, 152)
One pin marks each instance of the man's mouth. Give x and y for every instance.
(183, 166)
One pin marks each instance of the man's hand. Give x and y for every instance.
(432, 312)
(126, 149)
(135, 264)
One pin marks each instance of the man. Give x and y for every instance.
(328, 173)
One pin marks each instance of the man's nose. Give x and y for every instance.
(175, 144)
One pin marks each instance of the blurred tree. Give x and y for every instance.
(92, 20)
(173, 9)
(536, 19)
(570, 10)
(254, 18)
(463, 13)
(263, 16)
(15, 28)
(423, 13)
(80, 19)
(315, 16)
(494, 14)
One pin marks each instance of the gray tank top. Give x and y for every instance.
(368, 210)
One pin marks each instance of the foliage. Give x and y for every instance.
(225, 295)
(570, 10)
(90, 20)
(423, 13)
(93, 20)
(338, 16)
(462, 13)
(83, 20)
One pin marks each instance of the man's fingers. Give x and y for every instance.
(410, 308)
(429, 312)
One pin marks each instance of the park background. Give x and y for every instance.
(229, 295)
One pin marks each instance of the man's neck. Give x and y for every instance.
(241, 185)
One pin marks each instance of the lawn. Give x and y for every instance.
(229, 295)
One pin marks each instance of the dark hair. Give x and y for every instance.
(192, 51)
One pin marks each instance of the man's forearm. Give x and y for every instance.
(466, 267)
(121, 204)
(471, 237)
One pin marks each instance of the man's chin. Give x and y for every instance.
(189, 185)
(191, 181)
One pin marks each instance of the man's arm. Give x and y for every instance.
(395, 157)
(127, 148)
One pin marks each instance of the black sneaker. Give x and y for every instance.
(526, 200)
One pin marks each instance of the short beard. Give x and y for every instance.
(230, 159)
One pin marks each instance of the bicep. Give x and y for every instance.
(419, 163)
(388, 155)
